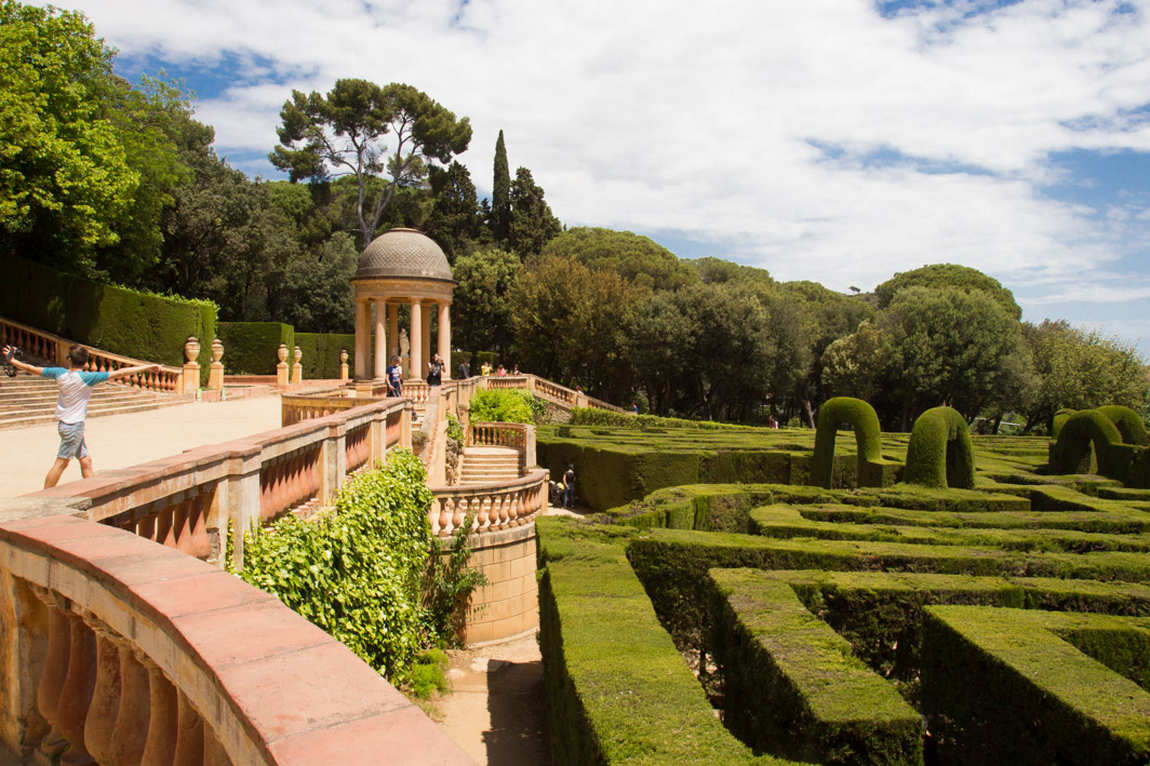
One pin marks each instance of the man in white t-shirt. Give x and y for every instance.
(75, 388)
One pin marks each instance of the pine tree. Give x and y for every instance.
(501, 194)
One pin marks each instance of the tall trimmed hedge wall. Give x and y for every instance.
(940, 453)
(148, 327)
(860, 416)
(250, 349)
(321, 353)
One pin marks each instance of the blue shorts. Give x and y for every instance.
(71, 440)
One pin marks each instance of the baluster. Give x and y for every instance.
(459, 515)
(189, 734)
(101, 718)
(50, 689)
(160, 743)
(77, 690)
(129, 734)
(446, 513)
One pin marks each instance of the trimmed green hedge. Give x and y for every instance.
(1128, 422)
(250, 347)
(141, 325)
(1002, 686)
(862, 418)
(321, 354)
(613, 701)
(940, 453)
(793, 686)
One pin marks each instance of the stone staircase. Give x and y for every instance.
(488, 465)
(26, 400)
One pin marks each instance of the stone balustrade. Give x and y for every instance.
(53, 348)
(114, 650)
(186, 501)
(496, 507)
(517, 436)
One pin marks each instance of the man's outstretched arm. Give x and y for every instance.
(124, 372)
(31, 369)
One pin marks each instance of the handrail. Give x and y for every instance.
(52, 347)
(140, 662)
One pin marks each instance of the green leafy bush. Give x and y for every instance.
(428, 674)
(355, 572)
(504, 406)
(448, 584)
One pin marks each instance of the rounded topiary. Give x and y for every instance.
(940, 452)
(1071, 453)
(834, 413)
(1059, 420)
(1128, 422)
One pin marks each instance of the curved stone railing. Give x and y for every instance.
(186, 501)
(54, 348)
(496, 507)
(131, 652)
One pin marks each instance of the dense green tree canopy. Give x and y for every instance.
(501, 194)
(480, 310)
(346, 131)
(533, 224)
(949, 276)
(65, 179)
(1077, 369)
(637, 259)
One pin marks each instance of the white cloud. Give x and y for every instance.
(697, 119)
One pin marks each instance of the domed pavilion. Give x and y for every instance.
(402, 267)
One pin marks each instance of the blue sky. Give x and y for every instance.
(829, 140)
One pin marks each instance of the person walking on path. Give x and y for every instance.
(395, 378)
(569, 484)
(75, 389)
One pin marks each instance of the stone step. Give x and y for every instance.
(95, 410)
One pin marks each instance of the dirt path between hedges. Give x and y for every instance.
(496, 709)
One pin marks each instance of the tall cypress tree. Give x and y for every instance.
(501, 194)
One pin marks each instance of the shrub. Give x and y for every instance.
(503, 406)
(355, 572)
(861, 416)
(1128, 422)
(940, 453)
(321, 353)
(250, 347)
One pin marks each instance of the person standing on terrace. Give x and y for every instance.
(395, 378)
(75, 389)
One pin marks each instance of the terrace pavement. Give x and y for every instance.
(119, 441)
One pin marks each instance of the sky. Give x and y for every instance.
(839, 141)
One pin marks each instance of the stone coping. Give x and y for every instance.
(532, 477)
(274, 688)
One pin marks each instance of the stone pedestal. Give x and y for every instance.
(343, 364)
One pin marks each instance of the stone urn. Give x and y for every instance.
(343, 356)
(282, 353)
(191, 349)
(297, 355)
(217, 350)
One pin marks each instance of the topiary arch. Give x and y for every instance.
(1071, 453)
(940, 453)
(862, 418)
(1128, 422)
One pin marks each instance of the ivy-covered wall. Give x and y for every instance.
(137, 324)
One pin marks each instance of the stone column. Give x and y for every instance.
(282, 366)
(343, 364)
(416, 343)
(380, 339)
(362, 357)
(425, 343)
(191, 376)
(393, 327)
(444, 342)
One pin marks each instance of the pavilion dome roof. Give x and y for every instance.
(403, 254)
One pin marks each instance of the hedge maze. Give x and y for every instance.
(725, 606)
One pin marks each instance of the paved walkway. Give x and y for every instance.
(119, 441)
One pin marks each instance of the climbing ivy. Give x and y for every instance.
(356, 570)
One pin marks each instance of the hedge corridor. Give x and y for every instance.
(723, 603)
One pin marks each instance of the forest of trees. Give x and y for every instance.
(120, 183)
